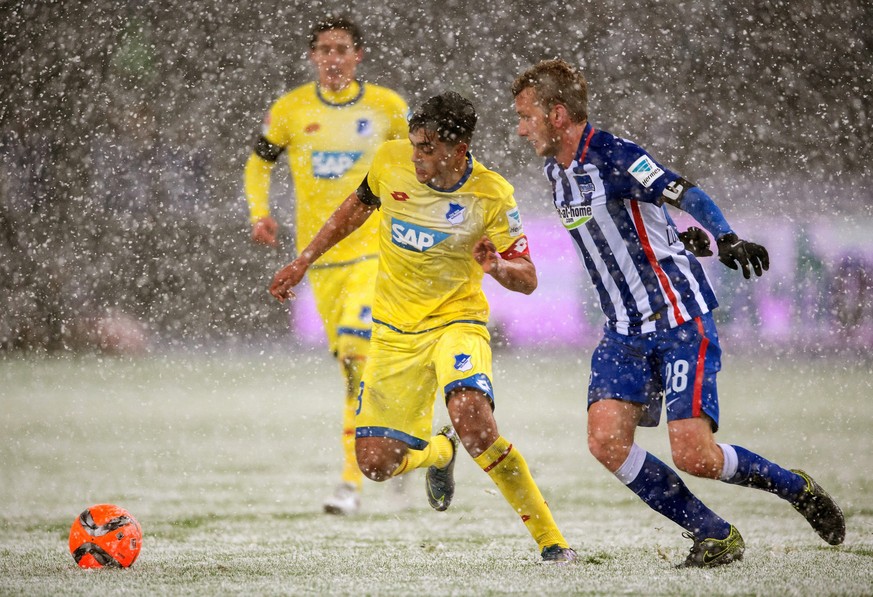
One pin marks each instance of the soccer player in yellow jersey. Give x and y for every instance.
(331, 129)
(445, 221)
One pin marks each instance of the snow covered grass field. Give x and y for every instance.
(225, 460)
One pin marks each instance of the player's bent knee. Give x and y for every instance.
(376, 461)
(373, 467)
(610, 452)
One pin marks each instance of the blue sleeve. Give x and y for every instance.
(631, 172)
(703, 209)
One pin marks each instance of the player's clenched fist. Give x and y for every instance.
(287, 278)
(485, 254)
(264, 232)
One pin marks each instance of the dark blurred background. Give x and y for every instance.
(125, 126)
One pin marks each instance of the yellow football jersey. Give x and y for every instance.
(330, 139)
(427, 274)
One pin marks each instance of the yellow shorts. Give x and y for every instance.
(405, 372)
(344, 298)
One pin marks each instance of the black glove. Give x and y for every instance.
(696, 242)
(735, 252)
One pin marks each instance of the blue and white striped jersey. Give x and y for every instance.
(610, 200)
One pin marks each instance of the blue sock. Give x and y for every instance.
(747, 469)
(664, 491)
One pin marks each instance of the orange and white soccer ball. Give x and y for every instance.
(105, 535)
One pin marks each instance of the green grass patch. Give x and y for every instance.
(225, 462)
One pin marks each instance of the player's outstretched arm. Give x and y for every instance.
(518, 274)
(348, 217)
(257, 189)
(734, 252)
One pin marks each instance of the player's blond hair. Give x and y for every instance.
(556, 82)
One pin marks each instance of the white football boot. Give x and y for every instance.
(346, 499)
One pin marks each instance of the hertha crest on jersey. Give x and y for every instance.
(585, 183)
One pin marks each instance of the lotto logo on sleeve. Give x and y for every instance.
(415, 238)
(645, 170)
(333, 164)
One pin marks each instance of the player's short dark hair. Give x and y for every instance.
(450, 115)
(556, 82)
(331, 22)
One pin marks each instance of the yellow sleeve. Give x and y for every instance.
(399, 128)
(257, 183)
(258, 170)
(504, 225)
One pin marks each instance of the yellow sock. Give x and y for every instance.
(508, 469)
(353, 368)
(438, 453)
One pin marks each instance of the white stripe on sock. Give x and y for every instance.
(731, 462)
(628, 471)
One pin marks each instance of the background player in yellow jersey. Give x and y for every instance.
(330, 128)
(445, 220)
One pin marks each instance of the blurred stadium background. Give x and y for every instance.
(124, 128)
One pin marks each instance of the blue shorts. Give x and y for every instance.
(678, 365)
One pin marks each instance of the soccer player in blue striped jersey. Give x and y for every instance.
(660, 342)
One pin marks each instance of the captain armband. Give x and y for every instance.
(266, 150)
(366, 196)
(519, 248)
(674, 191)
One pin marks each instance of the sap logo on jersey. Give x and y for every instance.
(645, 171)
(415, 238)
(333, 164)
